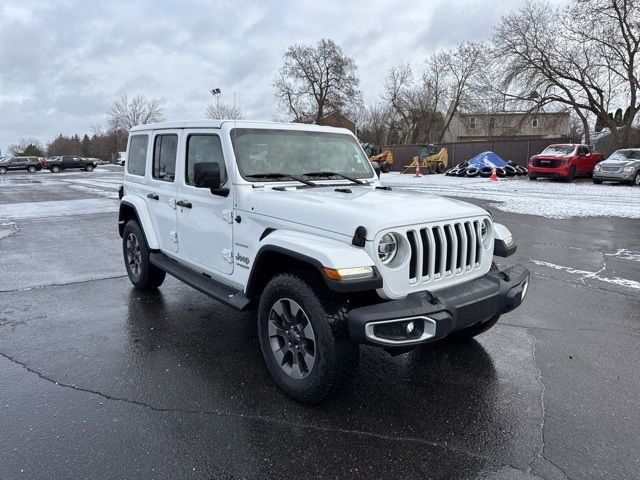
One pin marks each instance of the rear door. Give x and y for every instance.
(161, 187)
(584, 160)
(205, 223)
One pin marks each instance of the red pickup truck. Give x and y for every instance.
(565, 161)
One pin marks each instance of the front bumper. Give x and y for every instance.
(614, 176)
(554, 172)
(436, 315)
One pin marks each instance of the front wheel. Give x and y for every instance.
(636, 180)
(302, 332)
(89, 168)
(135, 250)
(31, 169)
(55, 169)
(572, 174)
(3, 170)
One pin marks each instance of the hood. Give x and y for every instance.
(618, 162)
(342, 212)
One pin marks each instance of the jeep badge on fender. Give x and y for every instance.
(320, 264)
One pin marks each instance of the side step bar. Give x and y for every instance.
(219, 291)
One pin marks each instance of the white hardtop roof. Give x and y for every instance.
(240, 123)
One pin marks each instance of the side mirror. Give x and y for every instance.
(207, 175)
(376, 168)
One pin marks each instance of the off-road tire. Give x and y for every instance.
(3, 170)
(440, 168)
(336, 356)
(148, 276)
(31, 169)
(55, 169)
(89, 168)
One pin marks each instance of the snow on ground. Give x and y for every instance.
(543, 198)
(101, 192)
(56, 208)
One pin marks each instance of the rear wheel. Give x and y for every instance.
(135, 250)
(89, 168)
(55, 169)
(302, 333)
(3, 170)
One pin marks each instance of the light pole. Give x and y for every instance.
(216, 93)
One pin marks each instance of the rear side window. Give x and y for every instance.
(204, 148)
(165, 149)
(137, 154)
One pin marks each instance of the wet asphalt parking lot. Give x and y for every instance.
(98, 380)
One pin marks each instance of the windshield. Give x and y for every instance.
(265, 151)
(625, 155)
(558, 150)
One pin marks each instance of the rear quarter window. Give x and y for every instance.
(137, 161)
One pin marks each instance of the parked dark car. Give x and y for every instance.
(30, 164)
(67, 162)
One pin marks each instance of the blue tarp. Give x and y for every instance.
(487, 159)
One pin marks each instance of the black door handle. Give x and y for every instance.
(183, 203)
(153, 196)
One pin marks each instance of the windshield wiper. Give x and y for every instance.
(334, 174)
(277, 176)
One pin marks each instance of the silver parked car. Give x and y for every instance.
(622, 166)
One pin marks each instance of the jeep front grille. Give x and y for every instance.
(444, 250)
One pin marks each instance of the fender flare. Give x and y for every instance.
(317, 252)
(141, 211)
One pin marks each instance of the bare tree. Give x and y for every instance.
(423, 110)
(29, 146)
(223, 111)
(315, 81)
(128, 112)
(584, 56)
(375, 124)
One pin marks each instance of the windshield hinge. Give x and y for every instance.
(227, 215)
(228, 255)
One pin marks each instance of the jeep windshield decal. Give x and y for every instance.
(273, 154)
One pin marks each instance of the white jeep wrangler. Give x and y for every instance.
(292, 220)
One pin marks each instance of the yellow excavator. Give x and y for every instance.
(384, 158)
(431, 158)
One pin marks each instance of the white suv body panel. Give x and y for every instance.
(317, 222)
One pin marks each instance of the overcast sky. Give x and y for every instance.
(62, 63)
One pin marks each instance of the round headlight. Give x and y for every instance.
(485, 232)
(387, 247)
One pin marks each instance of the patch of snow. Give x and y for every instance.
(586, 274)
(56, 208)
(625, 254)
(520, 195)
(95, 191)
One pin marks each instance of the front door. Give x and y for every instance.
(204, 219)
(160, 189)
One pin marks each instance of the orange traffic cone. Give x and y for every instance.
(494, 176)
(418, 174)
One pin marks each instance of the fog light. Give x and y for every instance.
(411, 326)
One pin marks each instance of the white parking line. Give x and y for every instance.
(586, 274)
